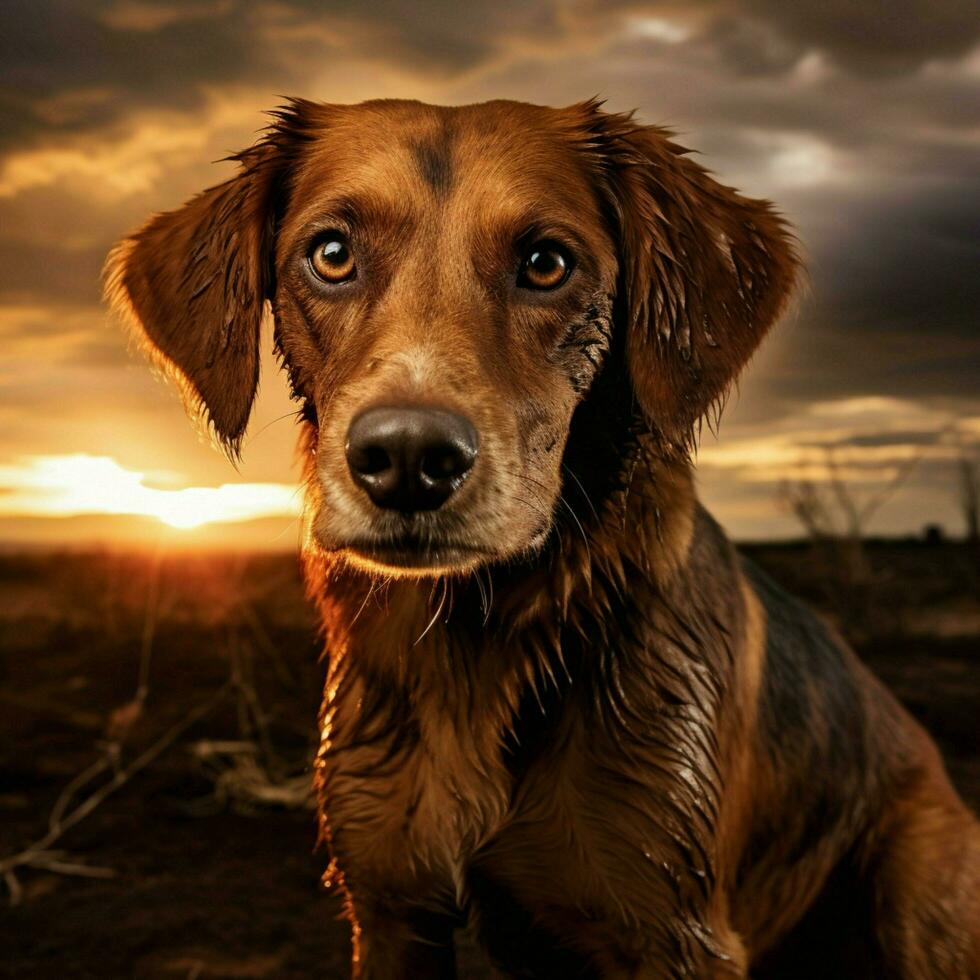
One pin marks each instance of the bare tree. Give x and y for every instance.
(836, 520)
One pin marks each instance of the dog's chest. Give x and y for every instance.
(591, 855)
(411, 795)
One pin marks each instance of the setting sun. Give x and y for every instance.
(63, 486)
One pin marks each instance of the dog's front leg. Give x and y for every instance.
(927, 881)
(413, 944)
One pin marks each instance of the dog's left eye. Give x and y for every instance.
(546, 265)
(332, 259)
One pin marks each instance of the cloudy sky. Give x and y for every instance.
(861, 120)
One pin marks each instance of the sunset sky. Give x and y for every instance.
(862, 120)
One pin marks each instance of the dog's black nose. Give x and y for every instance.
(410, 458)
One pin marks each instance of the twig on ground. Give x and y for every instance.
(34, 854)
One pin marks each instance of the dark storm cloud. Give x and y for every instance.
(70, 65)
(907, 263)
(874, 36)
(868, 116)
(886, 439)
(894, 296)
(56, 48)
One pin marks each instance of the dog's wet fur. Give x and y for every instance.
(559, 707)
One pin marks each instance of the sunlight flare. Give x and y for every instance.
(64, 486)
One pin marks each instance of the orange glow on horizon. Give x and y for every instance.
(66, 486)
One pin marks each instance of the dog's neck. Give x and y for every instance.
(624, 545)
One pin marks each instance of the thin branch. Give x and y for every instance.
(30, 855)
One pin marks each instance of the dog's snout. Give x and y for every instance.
(410, 458)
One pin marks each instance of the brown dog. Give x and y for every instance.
(559, 704)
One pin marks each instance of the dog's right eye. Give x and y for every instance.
(546, 266)
(332, 259)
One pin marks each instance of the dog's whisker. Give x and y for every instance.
(288, 415)
(372, 587)
(488, 595)
(483, 595)
(578, 523)
(436, 614)
(585, 494)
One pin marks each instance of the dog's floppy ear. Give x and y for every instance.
(705, 271)
(194, 283)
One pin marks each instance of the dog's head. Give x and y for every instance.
(447, 285)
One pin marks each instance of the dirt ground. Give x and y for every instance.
(214, 872)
